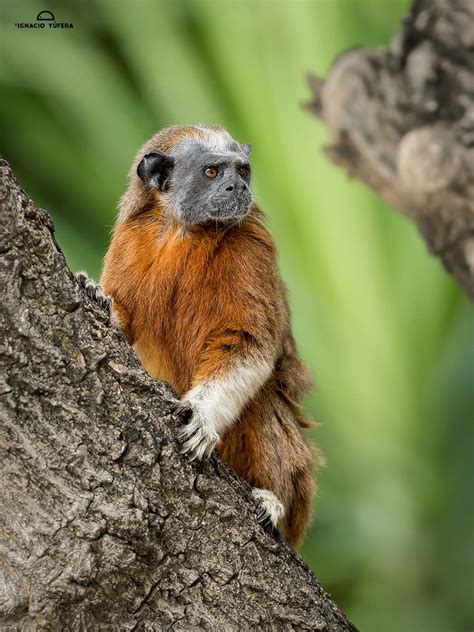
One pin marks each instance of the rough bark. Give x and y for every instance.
(104, 525)
(401, 120)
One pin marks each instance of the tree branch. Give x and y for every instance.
(104, 524)
(402, 120)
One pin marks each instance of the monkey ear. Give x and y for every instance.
(155, 168)
(246, 148)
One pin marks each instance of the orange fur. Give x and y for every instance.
(192, 304)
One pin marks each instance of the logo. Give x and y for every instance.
(47, 16)
(44, 19)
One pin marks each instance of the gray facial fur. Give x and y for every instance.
(196, 198)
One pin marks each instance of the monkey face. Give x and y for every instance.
(201, 182)
(209, 185)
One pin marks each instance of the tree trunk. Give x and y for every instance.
(105, 526)
(402, 120)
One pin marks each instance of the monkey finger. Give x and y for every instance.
(188, 431)
(94, 291)
(191, 446)
(209, 450)
(82, 278)
(198, 450)
(200, 446)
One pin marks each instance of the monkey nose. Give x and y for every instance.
(230, 187)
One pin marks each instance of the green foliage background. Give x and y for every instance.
(388, 333)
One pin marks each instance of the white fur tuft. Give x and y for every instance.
(272, 508)
(221, 399)
(218, 402)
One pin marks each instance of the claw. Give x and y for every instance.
(263, 517)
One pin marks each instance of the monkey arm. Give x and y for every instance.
(122, 320)
(233, 367)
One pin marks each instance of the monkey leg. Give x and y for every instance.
(266, 448)
(298, 514)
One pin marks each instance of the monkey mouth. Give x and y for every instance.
(235, 210)
(226, 211)
(222, 216)
(227, 220)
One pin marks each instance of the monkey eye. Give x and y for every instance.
(243, 170)
(211, 172)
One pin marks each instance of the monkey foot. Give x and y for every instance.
(269, 508)
(94, 291)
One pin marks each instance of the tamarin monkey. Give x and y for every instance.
(193, 275)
